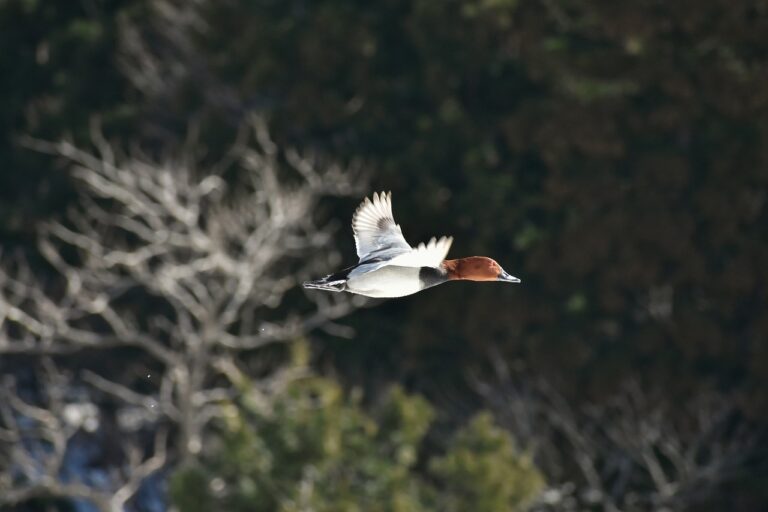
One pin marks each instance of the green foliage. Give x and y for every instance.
(606, 150)
(612, 154)
(312, 447)
(609, 151)
(484, 472)
(58, 71)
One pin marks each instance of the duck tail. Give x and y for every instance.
(325, 284)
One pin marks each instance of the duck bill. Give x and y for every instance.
(504, 276)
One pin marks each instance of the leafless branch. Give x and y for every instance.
(38, 435)
(168, 258)
(632, 454)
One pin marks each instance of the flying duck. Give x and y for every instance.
(390, 267)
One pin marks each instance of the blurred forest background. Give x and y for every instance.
(170, 170)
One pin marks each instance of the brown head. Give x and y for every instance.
(477, 268)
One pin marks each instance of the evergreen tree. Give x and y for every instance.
(310, 446)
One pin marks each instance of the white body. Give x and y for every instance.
(385, 282)
(388, 265)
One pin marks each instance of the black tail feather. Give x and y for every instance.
(324, 284)
(336, 282)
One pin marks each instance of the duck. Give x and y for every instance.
(390, 267)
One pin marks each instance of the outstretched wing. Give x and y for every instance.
(379, 240)
(376, 233)
(430, 254)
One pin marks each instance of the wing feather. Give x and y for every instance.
(376, 232)
(430, 254)
(379, 237)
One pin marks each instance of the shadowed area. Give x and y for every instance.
(174, 171)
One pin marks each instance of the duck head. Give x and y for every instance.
(477, 268)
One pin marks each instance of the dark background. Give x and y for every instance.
(613, 155)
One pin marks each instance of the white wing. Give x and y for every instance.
(378, 237)
(376, 234)
(430, 255)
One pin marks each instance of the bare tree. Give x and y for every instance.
(38, 437)
(158, 65)
(160, 55)
(163, 258)
(631, 452)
